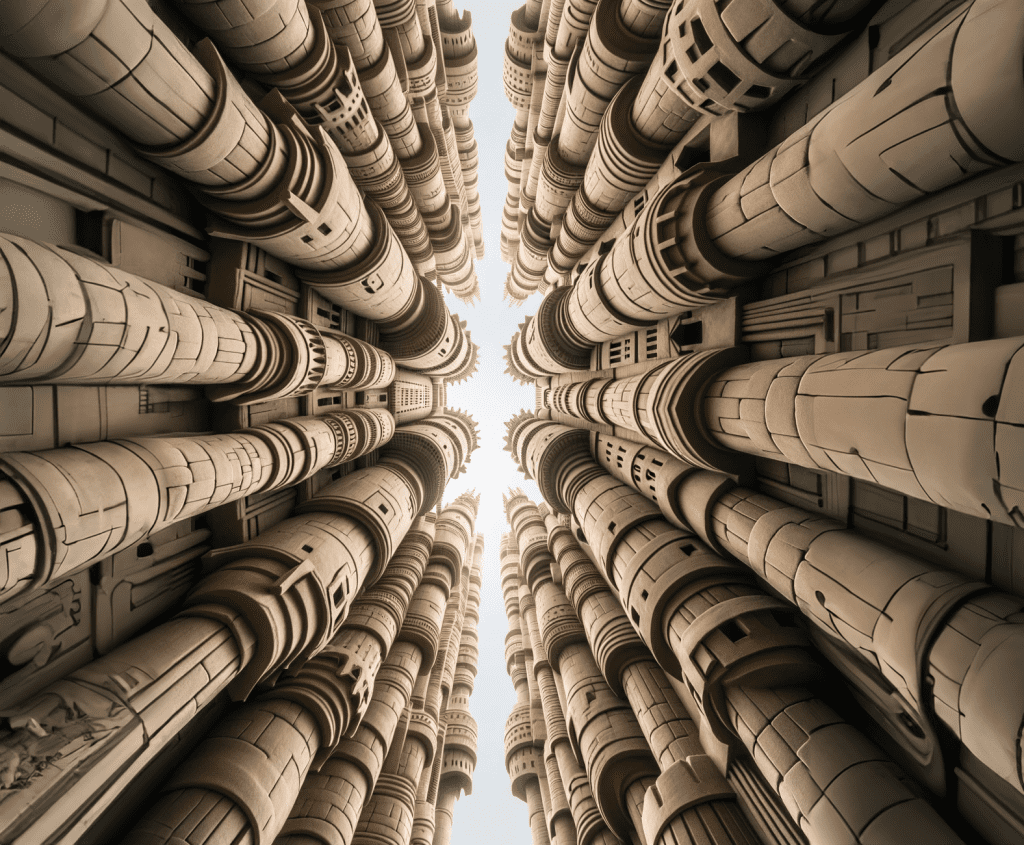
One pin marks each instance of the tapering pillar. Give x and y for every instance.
(690, 786)
(269, 180)
(889, 620)
(712, 73)
(685, 601)
(257, 757)
(377, 800)
(939, 111)
(866, 165)
(82, 503)
(78, 321)
(567, 781)
(373, 162)
(523, 756)
(354, 24)
(460, 741)
(941, 424)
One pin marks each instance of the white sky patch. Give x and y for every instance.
(491, 814)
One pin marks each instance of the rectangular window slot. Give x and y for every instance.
(723, 76)
(732, 630)
(701, 37)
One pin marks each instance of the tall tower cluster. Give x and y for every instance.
(234, 606)
(773, 592)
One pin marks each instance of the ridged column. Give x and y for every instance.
(79, 504)
(893, 619)
(938, 112)
(74, 320)
(685, 601)
(256, 759)
(271, 604)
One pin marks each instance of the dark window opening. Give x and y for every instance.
(688, 334)
(89, 230)
(723, 76)
(732, 630)
(701, 37)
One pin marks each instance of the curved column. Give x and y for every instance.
(940, 424)
(889, 620)
(707, 64)
(686, 601)
(82, 503)
(416, 328)
(273, 603)
(271, 181)
(619, 44)
(566, 779)
(77, 321)
(369, 761)
(459, 51)
(112, 718)
(939, 111)
(611, 53)
(353, 24)
(257, 758)
(601, 727)
(274, 37)
(690, 795)
(523, 756)
(327, 809)
(415, 136)
(627, 665)
(727, 225)
(347, 118)
(663, 265)
(519, 77)
(458, 755)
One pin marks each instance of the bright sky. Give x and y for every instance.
(491, 814)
